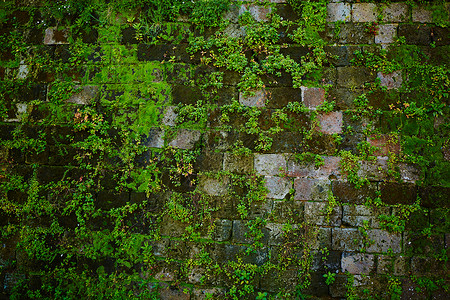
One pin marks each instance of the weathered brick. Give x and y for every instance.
(256, 100)
(330, 122)
(313, 97)
(352, 77)
(338, 12)
(279, 97)
(382, 241)
(396, 12)
(270, 164)
(275, 233)
(240, 164)
(421, 15)
(186, 139)
(386, 34)
(316, 213)
(393, 80)
(397, 265)
(311, 189)
(398, 193)
(85, 96)
(259, 13)
(347, 193)
(415, 34)
(434, 196)
(409, 173)
(213, 186)
(374, 170)
(222, 230)
(241, 233)
(364, 12)
(278, 187)
(358, 215)
(346, 239)
(307, 169)
(351, 33)
(385, 143)
(357, 263)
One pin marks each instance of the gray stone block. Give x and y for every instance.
(396, 12)
(278, 187)
(386, 34)
(383, 241)
(311, 189)
(270, 164)
(316, 213)
(240, 164)
(357, 263)
(256, 100)
(338, 12)
(346, 239)
(364, 12)
(357, 215)
(185, 139)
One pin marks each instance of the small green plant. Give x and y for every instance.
(329, 278)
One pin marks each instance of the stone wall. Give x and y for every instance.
(139, 161)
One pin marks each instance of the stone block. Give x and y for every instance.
(85, 96)
(346, 239)
(186, 139)
(213, 186)
(386, 34)
(352, 33)
(330, 122)
(311, 189)
(415, 34)
(409, 173)
(222, 230)
(307, 169)
(170, 116)
(385, 143)
(167, 292)
(382, 241)
(422, 15)
(396, 12)
(358, 215)
(338, 12)
(323, 239)
(374, 170)
(357, 263)
(240, 164)
(279, 97)
(270, 164)
(256, 100)
(241, 233)
(313, 97)
(393, 265)
(275, 233)
(259, 13)
(347, 193)
(209, 161)
(398, 193)
(354, 77)
(278, 187)
(53, 36)
(364, 12)
(316, 213)
(393, 80)
(206, 293)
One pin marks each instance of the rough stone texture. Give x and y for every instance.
(421, 15)
(278, 187)
(53, 36)
(240, 164)
(358, 215)
(352, 77)
(307, 169)
(415, 34)
(397, 265)
(346, 239)
(351, 33)
(155, 138)
(259, 13)
(385, 144)
(374, 170)
(256, 100)
(313, 97)
(393, 80)
(397, 193)
(331, 122)
(347, 193)
(409, 173)
(222, 231)
(386, 34)
(358, 263)
(364, 12)
(186, 139)
(311, 189)
(396, 12)
(213, 186)
(170, 116)
(270, 164)
(338, 12)
(316, 213)
(85, 96)
(383, 241)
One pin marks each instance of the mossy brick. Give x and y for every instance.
(32, 157)
(258, 98)
(354, 77)
(398, 193)
(383, 99)
(396, 12)
(278, 187)
(415, 34)
(240, 164)
(279, 97)
(340, 56)
(209, 161)
(241, 233)
(421, 14)
(351, 33)
(318, 287)
(213, 186)
(47, 174)
(34, 36)
(358, 263)
(386, 34)
(364, 12)
(434, 196)
(129, 36)
(346, 239)
(313, 97)
(225, 96)
(330, 123)
(347, 193)
(225, 208)
(55, 36)
(316, 214)
(185, 94)
(339, 287)
(438, 55)
(439, 36)
(285, 10)
(296, 53)
(376, 170)
(270, 164)
(168, 292)
(356, 216)
(393, 265)
(343, 98)
(385, 144)
(277, 279)
(6, 131)
(338, 12)
(311, 189)
(222, 230)
(440, 220)
(147, 52)
(89, 35)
